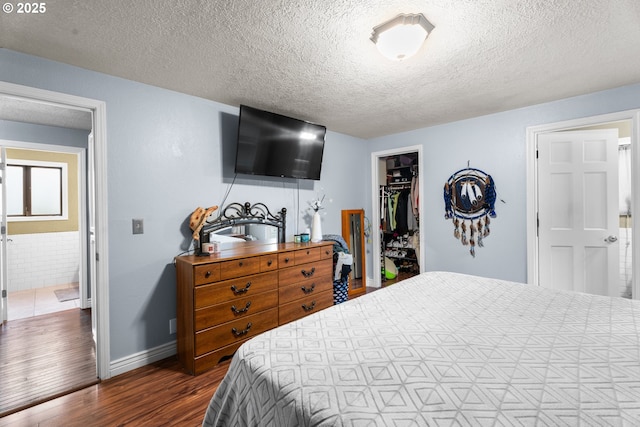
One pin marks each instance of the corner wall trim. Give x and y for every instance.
(143, 358)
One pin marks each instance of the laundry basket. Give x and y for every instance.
(342, 262)
(340, 290)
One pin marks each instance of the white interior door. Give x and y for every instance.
(3, 237)
(578, 211)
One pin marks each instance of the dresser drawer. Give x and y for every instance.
(232, 290)
(268, 262)
(291, 293)
(303, 256)
(209, 360)
(206, 273)
(226, 299)
(306, 273)
(237, 330)
(326, 252)
(286, 259)
(302, 307)
(239, 267)
(235, 309)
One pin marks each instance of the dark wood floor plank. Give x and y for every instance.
(158, 394)
(44, 357)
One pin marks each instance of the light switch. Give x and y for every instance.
(138, 226)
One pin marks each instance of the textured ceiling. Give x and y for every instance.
(20, 110)
(313, 59)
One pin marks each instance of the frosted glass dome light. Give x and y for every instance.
(402, 36)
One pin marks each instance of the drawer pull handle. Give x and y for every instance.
(308, 274)
(242, 310)
(238, 333)
(286, 259)
(240, 291)
(308, 252)
(269, 262)
(207, 274)
(308, 290)
(240, 263)
(309, 307)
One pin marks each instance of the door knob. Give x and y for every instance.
(611, 239)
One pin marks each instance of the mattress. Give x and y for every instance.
(442, 349)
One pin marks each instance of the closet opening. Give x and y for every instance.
(399, 225)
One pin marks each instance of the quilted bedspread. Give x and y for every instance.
(442, 349)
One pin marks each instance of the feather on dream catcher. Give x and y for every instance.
(469, 200)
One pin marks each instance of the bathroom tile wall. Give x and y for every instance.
(41, 260)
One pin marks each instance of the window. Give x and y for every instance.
(36, 190)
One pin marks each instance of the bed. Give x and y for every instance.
(442, 349)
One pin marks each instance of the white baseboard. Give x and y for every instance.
(371, 283)
(142, 358)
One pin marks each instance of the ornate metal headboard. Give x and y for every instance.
(239, 214)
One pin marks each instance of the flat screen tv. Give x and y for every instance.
(270, 144)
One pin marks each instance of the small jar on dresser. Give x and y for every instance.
(228, 297)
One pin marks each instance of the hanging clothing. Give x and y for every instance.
(393, 205)
(402, 204)
(397, 211)
(412, 221)
(414, 196)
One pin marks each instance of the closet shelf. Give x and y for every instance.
(402, 258)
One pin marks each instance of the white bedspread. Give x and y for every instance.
(442, 349)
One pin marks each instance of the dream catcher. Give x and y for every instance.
(469, 200)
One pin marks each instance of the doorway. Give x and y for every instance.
(35, 102)
(397, 177)
(45, 238)
(48, 347)
(580, 202)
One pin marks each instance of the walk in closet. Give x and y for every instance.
(399, 217)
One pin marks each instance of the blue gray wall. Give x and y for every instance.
(169, 153)
(164, 158)
(16, 131)
(495, 144)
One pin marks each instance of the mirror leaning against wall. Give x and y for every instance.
(353, 234)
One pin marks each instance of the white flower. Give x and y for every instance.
(316, 204)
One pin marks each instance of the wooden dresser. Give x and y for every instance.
(226, 298)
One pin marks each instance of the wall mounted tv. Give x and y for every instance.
(274, 145)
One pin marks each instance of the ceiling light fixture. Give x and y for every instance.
(402, 36)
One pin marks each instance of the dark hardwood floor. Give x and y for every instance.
(159, 394)
(45, 356)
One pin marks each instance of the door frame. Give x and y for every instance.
(100, 287)
(4, 277)
(532, 133)
(375, 203)
(80, 154)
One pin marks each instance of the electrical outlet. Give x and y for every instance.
(172, 326)
(138, 226)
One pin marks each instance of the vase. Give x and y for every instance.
(316, 228)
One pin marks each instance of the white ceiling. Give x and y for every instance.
(313, 59)
(21, 110)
